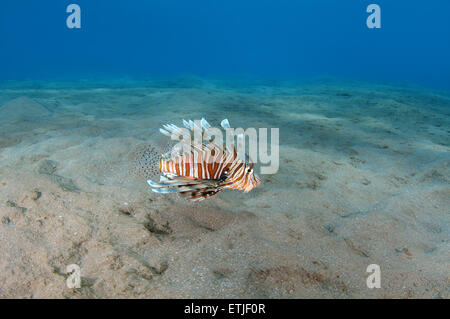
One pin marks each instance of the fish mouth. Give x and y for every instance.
(255, 183)
(248, 188)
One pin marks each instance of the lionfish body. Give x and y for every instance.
(203, 170)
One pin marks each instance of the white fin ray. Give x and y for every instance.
(171, 129)
(187, 125)
(205, 124)
(225, 124)
(166, 133)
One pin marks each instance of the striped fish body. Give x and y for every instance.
(203, 172)
(228, 170)
(197, 165)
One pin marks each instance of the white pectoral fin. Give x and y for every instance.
(154, 184)
(164, 190)
(179, 184)
(162, 187)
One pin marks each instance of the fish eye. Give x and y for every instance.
(249, 170)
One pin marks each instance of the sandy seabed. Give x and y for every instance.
(364, 179)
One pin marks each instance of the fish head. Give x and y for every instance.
(253, 179)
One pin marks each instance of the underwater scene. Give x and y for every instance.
(345, 193)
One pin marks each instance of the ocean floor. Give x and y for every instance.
(364, 179)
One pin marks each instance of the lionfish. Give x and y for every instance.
(202, 169)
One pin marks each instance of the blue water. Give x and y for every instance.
(261, 38)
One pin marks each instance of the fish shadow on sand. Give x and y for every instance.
(48, 168)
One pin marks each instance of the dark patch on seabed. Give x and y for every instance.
(363, 179)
